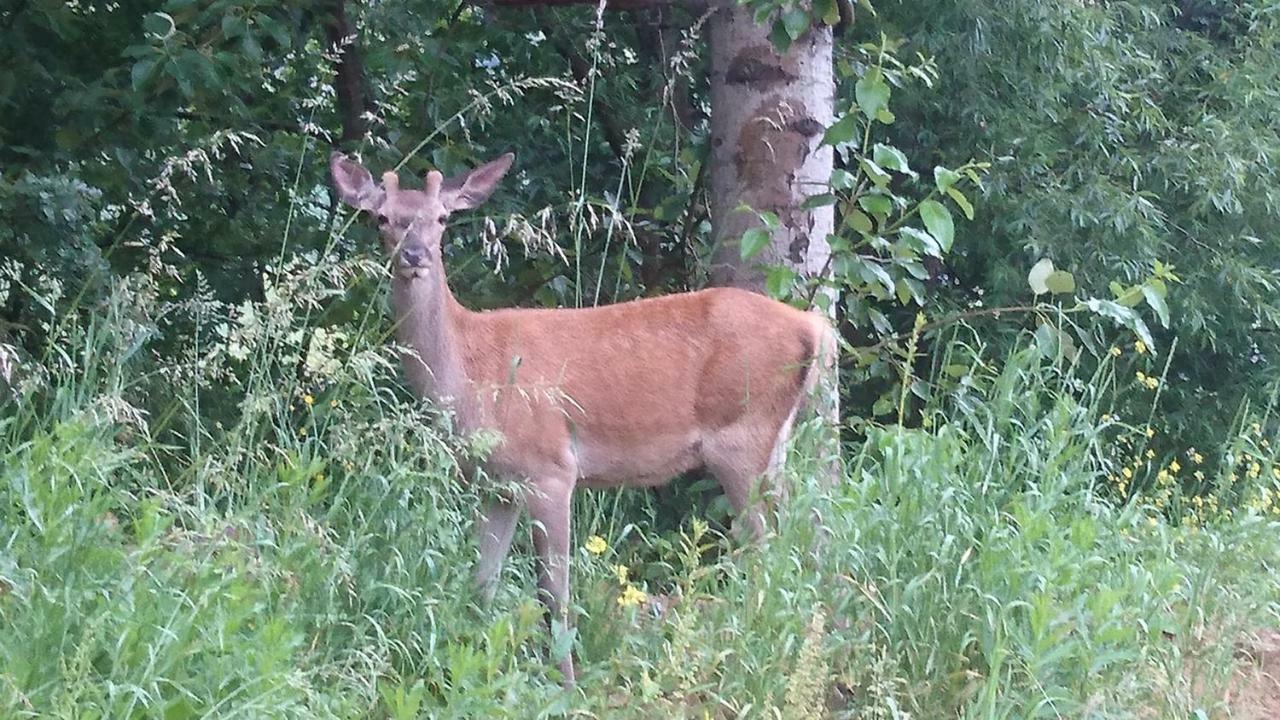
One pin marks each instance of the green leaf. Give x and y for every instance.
(841, 131)
(1039, 273)
(878, 205)
(1124, 316)
(141, 73)
(770, 219)
(927, 243)
(1155, 299)
(885, 117)
(937, 218)
(159, 24)
(779, 36)
(842, 179)
(778, 280)
(961, 201)
(827, 10)
(795, 21)
(890, 157)
(753, 241)
(858, 220)
(816, 201)
(944, 178)
(872, 92)
(875, 172)
(1060, 282)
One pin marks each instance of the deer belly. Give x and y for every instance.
(648, 461)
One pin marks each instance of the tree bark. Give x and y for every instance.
(349, 82)
(768, 114)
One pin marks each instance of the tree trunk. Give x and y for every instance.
(768, 113)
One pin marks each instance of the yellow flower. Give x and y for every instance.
(1127, 473)
(632, 596)
(1255, 428)
(1197, 458)
(1150, 454)
(308, 400)
(1115, 351)
(1152, 383)
(1151, 432)
(1174, 466)
(1106, 417)
(1254, 470)
(333, 403)
(596, 545)
(1140, 346)
(1275, 472)
(1163, 475)
(1199, 476)
(1142, 377)
(621, 572)
(1152, 521)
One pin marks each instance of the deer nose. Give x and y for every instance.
(413, 255)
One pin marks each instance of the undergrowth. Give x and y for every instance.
(259, 522)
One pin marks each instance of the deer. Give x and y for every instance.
(624, 395)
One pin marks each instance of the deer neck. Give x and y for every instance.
(428, 323)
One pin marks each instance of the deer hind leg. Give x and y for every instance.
(496, 528)
(744, 459)
(549, 504)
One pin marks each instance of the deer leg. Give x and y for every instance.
(549, 505)
(495, 530)
(740, 458)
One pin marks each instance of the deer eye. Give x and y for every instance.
(443, 218)
(382, 220)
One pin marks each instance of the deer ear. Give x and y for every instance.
(469, 190)
(354, 184)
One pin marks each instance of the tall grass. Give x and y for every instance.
(262, 524)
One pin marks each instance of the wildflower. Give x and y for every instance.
(1255, 470)
(1196, 457)
(1142, 377)
(1128, 474)
(1256, 429)
(1174, 467)
(1151, 432)
(1151, 454)
(319, 477)
(1275, 472)
(333, 403)
(621, 572)
(1199, 476)
(1163, 476)
(1152, 521)
(308, 400)
(1140, 347)
(632, 596)
(302, 432)
(1115, 351)
(1152, 383)
(596, 545)
(1106, 417)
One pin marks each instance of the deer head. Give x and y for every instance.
(411, 222)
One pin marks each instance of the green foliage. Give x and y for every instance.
(1120, 135)
(282, 564)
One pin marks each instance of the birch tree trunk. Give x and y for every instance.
(768, 114)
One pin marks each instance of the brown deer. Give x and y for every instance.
(622, 395)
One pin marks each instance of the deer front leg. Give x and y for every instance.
(548, 501)
(495, 530)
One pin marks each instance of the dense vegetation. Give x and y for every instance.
(218, 499)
